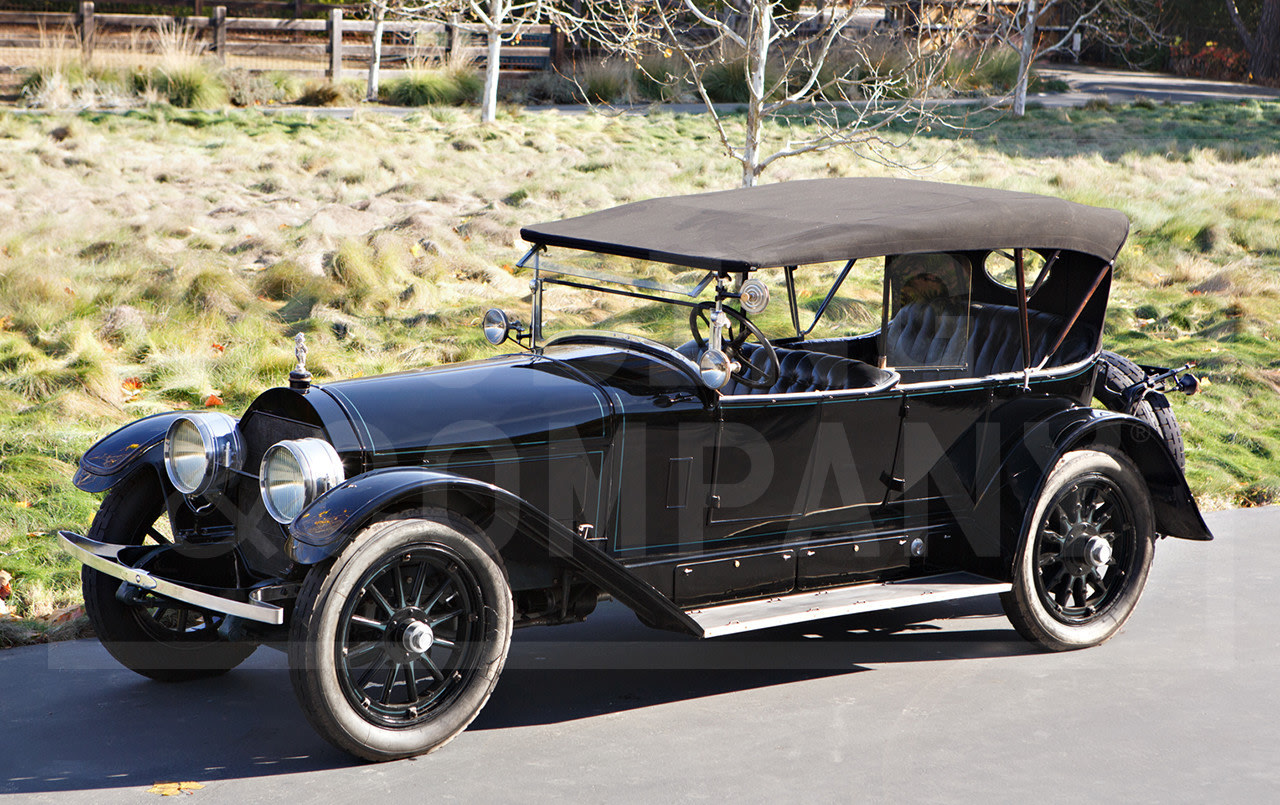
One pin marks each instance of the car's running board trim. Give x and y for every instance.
(746, 616)
(104, 558)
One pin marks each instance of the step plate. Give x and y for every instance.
(767, 613)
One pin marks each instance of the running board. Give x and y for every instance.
(747, 616)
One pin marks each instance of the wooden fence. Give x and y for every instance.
(332, 45)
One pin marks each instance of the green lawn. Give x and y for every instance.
(153, 259)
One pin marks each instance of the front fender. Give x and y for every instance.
(326, 526)
(1024, 472)
(117, 455)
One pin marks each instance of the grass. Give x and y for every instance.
(434, 86)
(154, 258)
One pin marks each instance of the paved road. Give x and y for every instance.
(1124, 86)
(1086, 84)
(1181, 706)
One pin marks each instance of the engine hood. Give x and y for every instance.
(505, 400)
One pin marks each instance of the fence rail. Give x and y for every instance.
(194, 8)
(331, 45)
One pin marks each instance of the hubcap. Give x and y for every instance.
(1098, 552)
(418, 637)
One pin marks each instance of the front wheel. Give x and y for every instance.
(396, 646)
(157, 637)
(1081, 569)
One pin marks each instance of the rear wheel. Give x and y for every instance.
(1117, 373)
(156, 637)
(396, 646)
(1082, 567)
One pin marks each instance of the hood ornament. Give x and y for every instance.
(300, 378)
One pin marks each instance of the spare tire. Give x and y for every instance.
(1117, 373)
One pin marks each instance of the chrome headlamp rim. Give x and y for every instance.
(223, 452)
(319, 465)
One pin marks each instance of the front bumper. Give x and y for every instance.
(105, 558)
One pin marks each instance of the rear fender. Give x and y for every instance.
(521, 533)
(1022, 476)
(118, 455)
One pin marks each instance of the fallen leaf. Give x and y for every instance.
(23, 504)
(64, 615)
(212, 400)
(219, 347)
(6, 587)
(174, 789)
(131, 383)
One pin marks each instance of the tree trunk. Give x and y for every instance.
(492, 64)
(1025, 53)
(375, 61)
(1264, 58)
(757, 59)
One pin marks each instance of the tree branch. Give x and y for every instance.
(1245, 37)
(711, 22)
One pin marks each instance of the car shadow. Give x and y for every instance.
(76, 721)
(612, 663)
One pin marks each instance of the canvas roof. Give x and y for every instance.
(820, 220)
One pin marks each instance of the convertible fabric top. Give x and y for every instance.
(821, 220)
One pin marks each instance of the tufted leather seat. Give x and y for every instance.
(800, 370)
(922, 334)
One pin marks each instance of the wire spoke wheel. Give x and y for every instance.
(155, 636)
(398, 642)
(410, 636)
(1084, 550)
(1082, 566)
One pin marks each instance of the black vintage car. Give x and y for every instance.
(761, 468)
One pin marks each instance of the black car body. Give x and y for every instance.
(733, 482)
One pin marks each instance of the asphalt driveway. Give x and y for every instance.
(939, 704)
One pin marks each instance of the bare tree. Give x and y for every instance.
(848, 84)
(378, 13)
(500, 20)
(1263, 44)
(1112, 22)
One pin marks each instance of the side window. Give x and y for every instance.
(999, 266)
(930, 328)
(853, 311)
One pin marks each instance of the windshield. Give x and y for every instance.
(607, 293)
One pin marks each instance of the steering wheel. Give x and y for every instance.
(760, 375)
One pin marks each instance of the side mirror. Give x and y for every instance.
(715, 368)
(497, 327)
(753, 296)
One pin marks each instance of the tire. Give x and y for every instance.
(396, 645)
(1117, 373)
(164, 640)
(1077, 592)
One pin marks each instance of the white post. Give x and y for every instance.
(335, 45)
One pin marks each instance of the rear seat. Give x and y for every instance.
(921, 336)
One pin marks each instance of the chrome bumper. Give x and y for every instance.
(104, 558)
